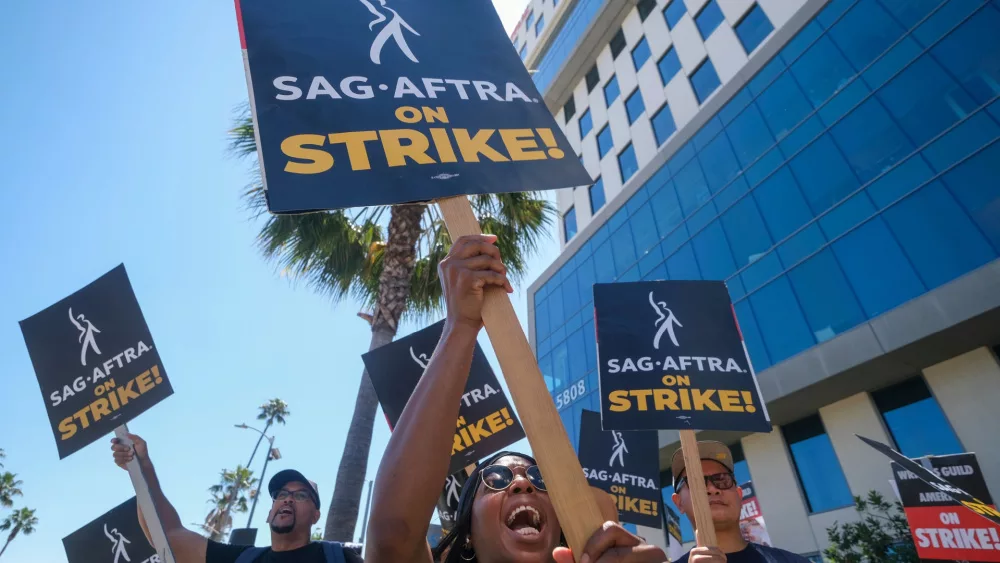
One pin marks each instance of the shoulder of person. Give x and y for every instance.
(780, 555)
(683, 558)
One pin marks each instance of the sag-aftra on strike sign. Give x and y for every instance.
(371, 102)
(670, 356)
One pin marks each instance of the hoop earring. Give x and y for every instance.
(468, 549)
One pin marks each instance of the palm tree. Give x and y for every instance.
(9, 488)
(391, 269)
(3, 455)
(21, 520)
(272, 411)
(228, 496)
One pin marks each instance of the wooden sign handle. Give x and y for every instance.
(575, 505)
(145, 501)
(695, 479)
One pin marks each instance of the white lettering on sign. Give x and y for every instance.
(958, 538)
(622, 478)
(646, 364)
(475, 395)
(934, 497)
(749, 510)
(80, 383)
(358, 88)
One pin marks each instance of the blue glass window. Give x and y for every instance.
(749, 135)
(586, 123)
(704, 80)
(673, 13)
(530, 20)
(782, 204)
(827, 300)
(569, 223)
(879, 272)
(783, 106)
(816, 463)
(780, 320)
(585, 279)
(975, 186)
(645, 7)
(865, 32)
(741, 470)
(663, 124)
(596, 193)
(821, 70)
(691, 187)
(823, 174)
(683, 265)
(605, 142)
(644, 233)
(746, 232)
(611, 91)
(623, 248)
(937, 235)
(712, 250)
(754, 28)
(640, 54)
(871, 140)
(577, 355)
(627, 163)
(915, 420)
(634, 106)
(589, 344)
(524, 51)
(719, 162)
(669, 64)
(708, 18)
(969, 53)
(751, 335)
(539, 25)
(924, 99)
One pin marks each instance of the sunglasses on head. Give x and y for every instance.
(721, 481)
(499, 477)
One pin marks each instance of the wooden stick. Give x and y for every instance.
(575, 505)
(695, 479)
(145, 501)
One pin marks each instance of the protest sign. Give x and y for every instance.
(486, 421)
(942, 528)
(448, 501)
(95, 360)
(670, 356)
(938, 483)
(625, 464)
(114, 537)
(752, 526)
(367, 103)
(672, 531)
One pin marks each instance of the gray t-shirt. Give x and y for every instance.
(756, 553)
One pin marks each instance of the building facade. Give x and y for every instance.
(837, 163)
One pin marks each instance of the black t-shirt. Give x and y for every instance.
(311, 553)
(756, 553)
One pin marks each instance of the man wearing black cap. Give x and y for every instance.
(725, 501)
(294, 511)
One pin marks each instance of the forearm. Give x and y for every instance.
(415, 463)
(187, 546)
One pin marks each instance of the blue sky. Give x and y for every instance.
(114, 117)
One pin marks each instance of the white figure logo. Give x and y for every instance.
(391, 28)
(118, 543)
(619, 450)
(452, 491)
(666, 321)
(86, 335)
(421, 359)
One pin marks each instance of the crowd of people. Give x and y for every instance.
(504, 515)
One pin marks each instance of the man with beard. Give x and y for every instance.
(294, 511)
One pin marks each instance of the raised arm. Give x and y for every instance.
(415, 464)
(187, 546)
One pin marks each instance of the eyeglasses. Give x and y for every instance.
(721, 481)
(499, 477)
(300, 495)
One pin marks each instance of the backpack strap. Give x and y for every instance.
(333, 552)
(250, 555)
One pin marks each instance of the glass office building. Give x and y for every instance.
(837, 163)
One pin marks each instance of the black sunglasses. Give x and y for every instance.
(499, 477)
(721, 481)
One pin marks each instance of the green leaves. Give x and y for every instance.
(881, 535)
(274, 410)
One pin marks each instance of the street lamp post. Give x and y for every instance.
(267, 458)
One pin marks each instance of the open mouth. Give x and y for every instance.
(525, 521)
(285, 511)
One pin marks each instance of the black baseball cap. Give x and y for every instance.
(287, 476)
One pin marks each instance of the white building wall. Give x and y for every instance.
(967, 387)
(857, 415)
